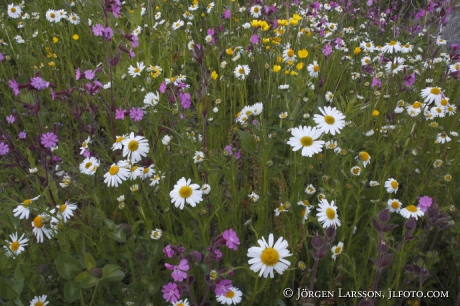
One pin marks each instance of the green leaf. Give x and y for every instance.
(18, 286)
(71, 291)
(151, 285)
(6, 290)
(67, 266)
(18, 274)
(81, 276)
(247, 141)
(90, 263)
(119, 236)
(18, 302)
(89, 281)
(112, 273)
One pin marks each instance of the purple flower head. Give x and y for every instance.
(369, 2)
(107, 33)
(169, 252)
(1, 57)
(327, 50)
(98, 29)
(77, 74)
(210, 31)
(14, 86)
(131, 54)
(4, 149)
(22, 135)
(218, 255)
(231, 239)
(179, 273)
(227, 14)
(237, 155)
(87, 153)
(229, 151)
(162, 88)
(223, 287)
(120, 113)
(38, 83)
(170, 292)
(254, 39)
(184, 100)
(49, 140)
(409, 80)
(11, 119)
(424, 203)
(136, 114)
(89, 74)
(376, 82)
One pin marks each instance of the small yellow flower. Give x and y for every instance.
(299, 66)
(375, 113)
(214, 75)
(75, 37)
(302, 53)
(229, 51)
(52, 64)
(357, 50)
(276, 68)
(55, 39)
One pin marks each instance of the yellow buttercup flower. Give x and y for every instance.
(357, 50)
(375, 113)
(276, 68)
(302, 53)
(55, 39)
(214, 75)
(75, 37)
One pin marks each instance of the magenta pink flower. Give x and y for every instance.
(179, 273)
(14, 86)
(162, 88)
(136, 114)
(4, 148)
(38, 83)
(184, 99)
(22, 135)
(254, 39)
(170, 292)
(227, 14)
(49, 140)
(89, 74)
(98, 29)
(223, 287)
(77, 74)
(231, 239)
(120, 113)
(424, 203)
(169, 252)
(10, 119)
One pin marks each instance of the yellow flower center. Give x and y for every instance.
(88, 164)
(435, 91)
(444, 102)
(185, 192)
(119, 139)
(26, 202)
(134, 168)
(290, 53)
(303, 212)
(330, 213)
(412, 208)
(137, 70)
(356, 170)
(39, 304)
(241, 71)
(281, 208)
(114, 170)
(416, 105)
(230, 294)
(172, 79)
(368, 45)
(329, 119)
(38, 221)
(395, 205)
(14, 246)
(62, 208)
(364, 156)
(392, 43)
(316, 68)
(394, 184)
(256, 9)
(74, 18)
(338, 250)
(146, 170)
(306, 141)
(52, 15)
(270, 257)
(133, 145)
(13, 10)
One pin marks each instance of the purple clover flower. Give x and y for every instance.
(136, 114)
(179, 273)
(49, 140)
(4, 149)
(223, 287)
(231, 239)
(170, 292)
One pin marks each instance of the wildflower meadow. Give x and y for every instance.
(208, 152)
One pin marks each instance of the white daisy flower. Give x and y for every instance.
(184, 192)
(373, 183)
(394, 205)
(118, 142)
(356, 171)
(442, 138)
(331, 122)
(327, 214)
(39, 301)
(74, 19)
(89, 165)
(304, 137)
(289, 54)
(280, 209)
(84, 145)
(66, 210)
(337, 250)
(147, 172)
(392, 47)
(52, 16)
(176, 25)
(257, 108)
(16, 245)
(156, 234)
(329, 96)
(117, 174)
(411, 211)
(44, 225)
(432, 94)
(233, 296)
(22, 210)
(306, 210)
(206, 189)
(136, 71)
(152, 99)
(198, 157)
(310, 189)
(256, 11)
(14, 11)
(313, 69)
(391, 185)
(269, 256)
(364, 158)
(135, 147)
(135, 172)
(242, 71)
(156, 179)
